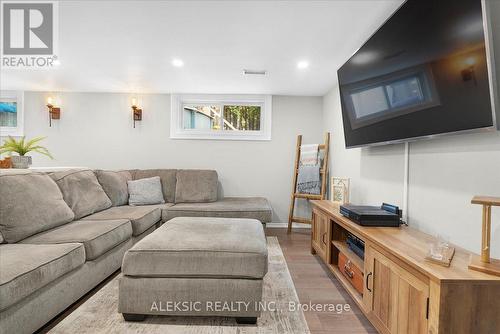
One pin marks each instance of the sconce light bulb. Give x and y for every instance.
(134, 102)
(49, 100)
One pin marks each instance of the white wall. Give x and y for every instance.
(444, 173)
(95, 130)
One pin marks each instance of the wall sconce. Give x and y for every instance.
(136, 111)
(54, 112)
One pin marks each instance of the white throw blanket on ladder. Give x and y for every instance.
(308, 180)
(309, 155)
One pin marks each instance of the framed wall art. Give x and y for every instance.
(339, 190)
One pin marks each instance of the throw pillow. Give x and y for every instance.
(145, 191)
(167, 178)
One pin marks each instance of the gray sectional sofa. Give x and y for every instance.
(62, 233)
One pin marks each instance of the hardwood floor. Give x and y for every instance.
(315, 284)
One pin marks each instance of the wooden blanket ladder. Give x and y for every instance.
(323, 174)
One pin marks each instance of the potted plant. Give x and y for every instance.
(22, 147)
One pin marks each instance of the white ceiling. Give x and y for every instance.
(128, 46)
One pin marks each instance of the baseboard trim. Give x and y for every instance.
(285, 225)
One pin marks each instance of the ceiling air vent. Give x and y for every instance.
(254, 72)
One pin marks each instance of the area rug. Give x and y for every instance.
(99, 313)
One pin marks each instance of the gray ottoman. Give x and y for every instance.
(195, 266)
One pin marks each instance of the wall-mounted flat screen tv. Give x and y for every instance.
(426, 71)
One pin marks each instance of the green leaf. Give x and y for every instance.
(43, 151)
(21, 148)
(33, 141)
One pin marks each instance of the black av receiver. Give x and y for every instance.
(386, 215)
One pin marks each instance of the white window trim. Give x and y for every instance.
(15, 131)
(177, 130)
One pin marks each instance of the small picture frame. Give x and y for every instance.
(339, 190)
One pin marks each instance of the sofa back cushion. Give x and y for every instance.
(81, 191)
(167, 177)
(114, 184)
(196, 186)
(29, 204)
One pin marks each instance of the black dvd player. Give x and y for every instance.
(385, 215)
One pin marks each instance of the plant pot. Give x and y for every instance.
(21, 161)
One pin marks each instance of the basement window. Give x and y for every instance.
(11, 113)
(224, 117)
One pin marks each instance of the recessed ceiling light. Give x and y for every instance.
(302, 64)
(177, 62)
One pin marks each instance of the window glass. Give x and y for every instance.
(8, 114)
(203, 117)
(242, 118)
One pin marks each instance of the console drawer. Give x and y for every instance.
(351, 272)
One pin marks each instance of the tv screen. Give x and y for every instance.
(424, 72)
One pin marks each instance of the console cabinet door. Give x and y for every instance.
(321, 234)
(396, 300)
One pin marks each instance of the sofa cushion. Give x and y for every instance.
(228, 207)
(145, 191)
(114, 184)
(30, 203)
(97, 236)
(167, 177)
(141, 217)
(163, 208)
(196, 186)
(27, 268)
(81, 191)
(200, 247)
